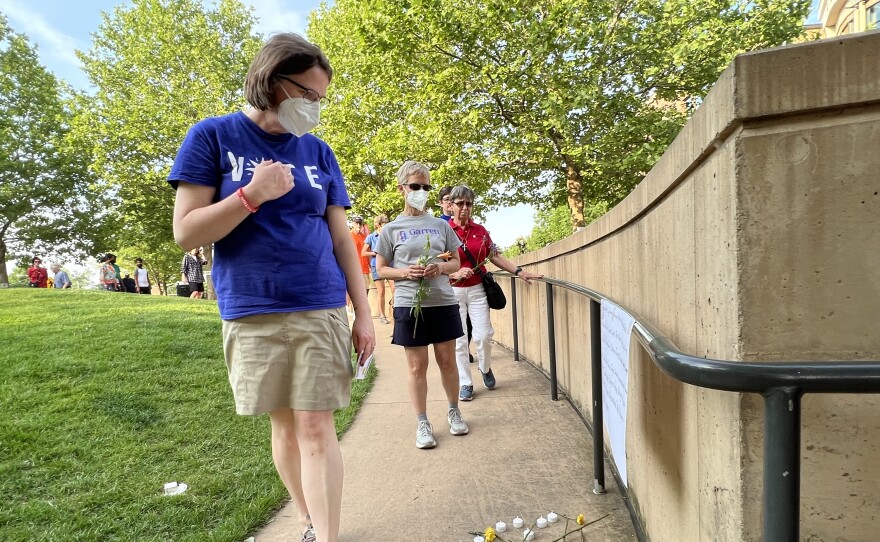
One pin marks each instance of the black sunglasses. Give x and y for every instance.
(463, 203)
(417, 186)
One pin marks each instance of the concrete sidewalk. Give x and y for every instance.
(524, 455)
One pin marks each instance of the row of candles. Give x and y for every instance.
(518, 523)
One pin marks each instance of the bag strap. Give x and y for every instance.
(473, 261)
(470, 256)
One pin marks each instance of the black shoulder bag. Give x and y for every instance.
(494, 293)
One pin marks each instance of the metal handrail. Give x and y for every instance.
(781, 383)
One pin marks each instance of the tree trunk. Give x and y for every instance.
(208, 251)
(574, 190)
(4, 276)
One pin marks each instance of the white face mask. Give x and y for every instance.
(298, 116)
(417, 199)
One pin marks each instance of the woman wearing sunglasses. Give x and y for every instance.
(476, 248)
(416, 250)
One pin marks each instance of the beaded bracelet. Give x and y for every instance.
(244, 200)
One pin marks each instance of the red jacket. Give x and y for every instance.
(480, 246)
(39, 275)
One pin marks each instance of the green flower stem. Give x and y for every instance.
(424, 288)
(579, 529)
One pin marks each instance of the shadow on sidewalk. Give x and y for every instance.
(525, 455)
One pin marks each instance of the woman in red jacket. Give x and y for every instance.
(38, 276)
(476, 249)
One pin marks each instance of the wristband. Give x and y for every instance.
(244, 200)
(518, 271)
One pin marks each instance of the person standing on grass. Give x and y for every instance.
(62, 281)
(411, 252)
(38, 276)
(107, 274)
(283, 262)
(141, 278)
(191, 272)
(119, 286)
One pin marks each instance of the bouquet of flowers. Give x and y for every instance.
(424, 288)
(489, 254)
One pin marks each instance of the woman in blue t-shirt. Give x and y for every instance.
(271, 198)
(369, 250)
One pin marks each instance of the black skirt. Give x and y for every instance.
(435, 325)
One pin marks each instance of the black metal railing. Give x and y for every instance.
(781, 383)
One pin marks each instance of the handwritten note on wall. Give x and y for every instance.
(616, 330)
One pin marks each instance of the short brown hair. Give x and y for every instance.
(283, 54)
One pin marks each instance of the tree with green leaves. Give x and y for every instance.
(47, 202)
(159, 66)
(560, 102)
(551, 225)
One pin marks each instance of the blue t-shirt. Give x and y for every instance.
(373, 241)
(279, 259)
(61, 279)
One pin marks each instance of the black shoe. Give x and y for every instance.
(488, 379)
(471, 356)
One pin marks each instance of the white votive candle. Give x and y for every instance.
(517, 522)
(552, 517)
(528, 534)
(500, 527)
(541, 523)
(479, 539)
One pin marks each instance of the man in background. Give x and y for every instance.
(445, 203)
(61, 279)
(191, 273)
(128, 284)
(141, 278)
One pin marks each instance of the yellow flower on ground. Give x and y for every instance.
(580, 519)
(490, 534)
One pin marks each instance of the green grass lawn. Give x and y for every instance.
(104, 397)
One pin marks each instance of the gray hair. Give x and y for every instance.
(412, 168)
(462, 191)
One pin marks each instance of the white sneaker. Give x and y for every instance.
(456, 424)
(425, 435)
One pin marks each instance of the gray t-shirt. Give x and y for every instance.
(402, 242)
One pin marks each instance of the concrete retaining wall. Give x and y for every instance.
(755, 237)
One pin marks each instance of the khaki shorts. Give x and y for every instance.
(298, 360)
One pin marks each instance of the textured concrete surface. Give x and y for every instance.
(525, 455)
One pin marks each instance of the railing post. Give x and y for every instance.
(598, 422)
(551, 333)
(782, 464)
(515, 316)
